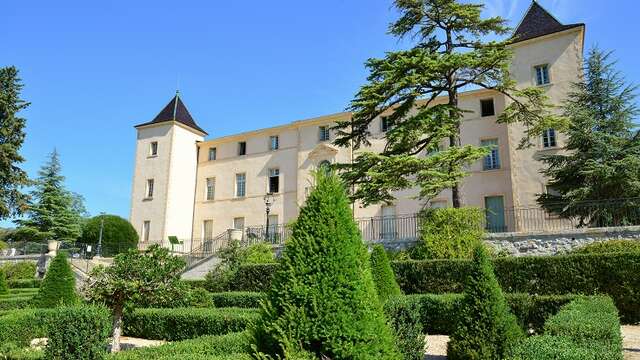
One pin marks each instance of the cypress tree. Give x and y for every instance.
(485, 328)
(58, 286)
(383, 276)
(323, 300)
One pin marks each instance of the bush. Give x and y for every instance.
(405, 318)
(204, 346)
(118, 235)
(221, 277)
(261, 253)
(485, 328)
(21, 326)
(383, 277)
(58, 286)
(237, 299)
(24, 283)
(198, 297)
(449, 233)
(4, 287)
(78, 333)
(611, 274)
(185, 323)
(10, 351)
(323, 300)
(611, 246)
(557, 347)
(19, 270)
(12, 302)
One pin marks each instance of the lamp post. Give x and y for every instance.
(268, 201)
(99, 249)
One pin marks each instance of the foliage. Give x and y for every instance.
(449, 233)
(19, 270)
(611, 274)
(4, 288)
(586, 328)
(12, 134)
(383, 276)
(59, 285)
(610, 246)
(186, 323)
(144, 278)
(485, 327)
(603, 157)
(449, 53)
(238, 299)
(198, 297)
(20, 326)
(207, 346)
(50, 213)
(231, 258)
(322, 300)
(79, 332)
(405, 318)
(24, 283)
(118, 235)
(11, 351)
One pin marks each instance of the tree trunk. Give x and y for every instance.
(452, 91)
(117, 328)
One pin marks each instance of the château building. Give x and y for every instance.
(193, 187)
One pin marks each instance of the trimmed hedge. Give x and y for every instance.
(21, 326)
(186, 323)
(208, 345)
(24, 283)
(239, 299)
(383, 277)
(59, 285)
(19, 270)
(585, 329)
(79, 332)
(405, 318)
(15, 302)
(437, 311)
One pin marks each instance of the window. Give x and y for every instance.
(324, 133)
(146, 228)
(494, 212)
(241, 185)
(213, 153)
(542, 75)
(549, 138)
(211, 188)
(238, 223)
(207, 230)
(149, 191)
(385, 124)
(487, 108)
(388, 222)
(274, 142)
(492, 160)
(153, 148)
(242, 148)
(274, 180)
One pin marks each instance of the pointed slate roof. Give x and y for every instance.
(175, 110)
(539, 22)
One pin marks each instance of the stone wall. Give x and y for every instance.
(557, 242)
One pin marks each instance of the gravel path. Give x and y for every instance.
(437, 344)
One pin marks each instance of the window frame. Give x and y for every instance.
(546, 75)
(274, 142)
(242, 148)
(493, 107)
(212, 151)
(384, 124)
(491, 161)
(153, 149)
(146, 230)
(207, 235)
(549, 139)
(238, 187)
(277, 179)
(210, 189)
(324, 133)
(149, 189)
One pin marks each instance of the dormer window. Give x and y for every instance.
(542, 75)
(153, 148)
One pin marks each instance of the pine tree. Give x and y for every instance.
(383, 276)
(53, 214)
(417, 91)
(59, 285)
(12, 178)
(602, 161)
(323, 299)
(485, 328)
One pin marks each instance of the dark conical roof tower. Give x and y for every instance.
(175, 110)
(539, 22)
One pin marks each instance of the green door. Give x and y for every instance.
(494, 207)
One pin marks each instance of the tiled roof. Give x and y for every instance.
(539, 22)
(175, 111)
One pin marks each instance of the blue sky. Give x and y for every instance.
(93, 69)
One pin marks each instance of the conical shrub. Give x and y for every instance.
(4, 288)
(323, 300)
(59, 285)
(383, 276)
(485, 327)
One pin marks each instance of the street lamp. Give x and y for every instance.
(268, 201)
(99, 249)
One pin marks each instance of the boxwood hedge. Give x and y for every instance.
(21, 326)
(24, 283)
(240, 299)
(186, 323)
(610, 274)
